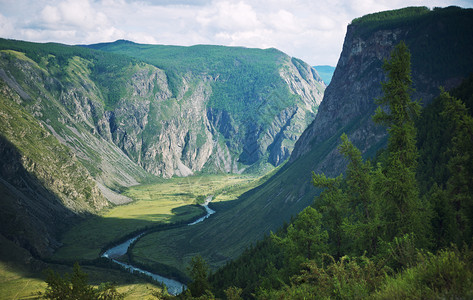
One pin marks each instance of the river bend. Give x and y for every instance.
(174, 287)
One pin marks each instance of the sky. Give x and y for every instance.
(310, 30)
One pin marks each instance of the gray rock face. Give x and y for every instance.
(349, 100)
(181, 135)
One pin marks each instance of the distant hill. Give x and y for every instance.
(325, 72)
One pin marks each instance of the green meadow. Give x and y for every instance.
(164, 202)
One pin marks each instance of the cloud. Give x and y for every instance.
(305, 29)
(6, 26)
(72, 14)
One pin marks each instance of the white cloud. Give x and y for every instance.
(309, 30)
(6, 26)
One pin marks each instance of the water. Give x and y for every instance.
(207, 208)
(174, 287)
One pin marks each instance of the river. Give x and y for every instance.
(174, 287)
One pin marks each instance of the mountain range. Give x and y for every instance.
(81, 123)
(440, 57)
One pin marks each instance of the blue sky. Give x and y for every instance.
(310, 30)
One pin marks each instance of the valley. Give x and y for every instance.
(122, 142)
(169, 201)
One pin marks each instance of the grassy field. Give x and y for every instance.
(20, 283)
(23, 277)
(167, 201)
(181, 244)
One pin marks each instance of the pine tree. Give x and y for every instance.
(199, 271)
(460, 183)
(402, 206)
(363, 222)
(75, 286)
(332, 204)
(306, 233)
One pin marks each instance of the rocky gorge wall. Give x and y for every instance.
(69, 140)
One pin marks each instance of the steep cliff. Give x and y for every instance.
(440, 57)
(225, 109)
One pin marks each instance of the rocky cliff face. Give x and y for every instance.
(349, 100)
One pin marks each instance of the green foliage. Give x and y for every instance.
(246, 81)
(199, 272)
(403, 209)
(460, 184)
(446, 275)
(75, 286)
(109, 70)
(397, 15)
(347, 278)
(305, 237)
(233, 293)
(387, 208)
(258, 266)
(333, 205)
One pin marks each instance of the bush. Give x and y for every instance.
(448, 274)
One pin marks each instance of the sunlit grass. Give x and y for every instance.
(167, 201)
(20, 283)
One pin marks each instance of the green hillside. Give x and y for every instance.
(289, 191)
(240, 76)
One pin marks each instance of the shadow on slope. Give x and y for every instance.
(31, 216)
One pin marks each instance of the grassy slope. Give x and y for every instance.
(49, 75)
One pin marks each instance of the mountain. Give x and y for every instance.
(325, 72)
(244, 106)
(441, 45)
(80, 124)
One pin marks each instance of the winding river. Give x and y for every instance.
(174, 287)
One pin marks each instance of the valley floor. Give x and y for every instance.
(163, 202)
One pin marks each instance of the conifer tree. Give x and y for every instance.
(199, 271)
(460, 183)
(402, 207)
(332, 204)
(363, 221)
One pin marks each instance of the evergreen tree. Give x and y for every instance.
(199, 271)
(75, 286)
(306, 233)
(332, 204)
(402, 207)
(363, 222)
(460, 183)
